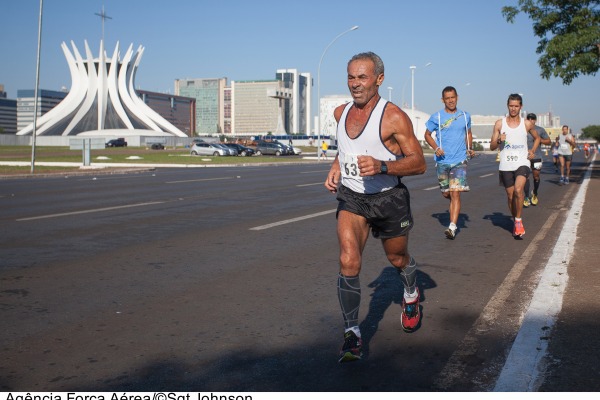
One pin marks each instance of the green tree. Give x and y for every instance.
(569, 32)
(592, 132)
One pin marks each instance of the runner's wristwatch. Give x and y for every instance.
(383, 169)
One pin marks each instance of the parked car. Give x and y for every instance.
(228, 150)
(332, 151)
(288, 148)
(118, 142)
(273, 148)
(241, 150)
(207, 149)
(296, 150)
(157, 146)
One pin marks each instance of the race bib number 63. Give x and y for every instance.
(350, 167)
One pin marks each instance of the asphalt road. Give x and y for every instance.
(223, 279)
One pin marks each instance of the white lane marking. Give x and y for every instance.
(204, 179)
(310, 184)
(469, 346)
(314, 172)
(432, 188)
(521, 372)
(486, 175)
(289, 221)
(89, 211)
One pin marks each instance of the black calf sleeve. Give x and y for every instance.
(349, 295)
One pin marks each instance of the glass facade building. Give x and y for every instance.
(209, 95)
(47, 100)
(178, 110)
(8, 114)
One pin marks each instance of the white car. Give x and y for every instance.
(207, 149)
(228, 150)
(332, 151)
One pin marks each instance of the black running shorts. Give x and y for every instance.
(536, 164)
(387, 213)
(507, 178)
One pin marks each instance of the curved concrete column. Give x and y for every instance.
(102, 96)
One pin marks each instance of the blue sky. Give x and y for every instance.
(468, 43)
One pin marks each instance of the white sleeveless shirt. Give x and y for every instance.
(565, 147)
(514, 151)
(368, 142)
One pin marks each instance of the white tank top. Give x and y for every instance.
(564, 147)
(514, 151)
(368, 142)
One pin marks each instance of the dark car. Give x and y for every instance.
(241, 150)
(289, 149)
(119, 142)
(157, 146)
(274, 148)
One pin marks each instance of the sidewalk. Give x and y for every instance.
(574, 344)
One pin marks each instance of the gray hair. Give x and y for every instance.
(369, 55)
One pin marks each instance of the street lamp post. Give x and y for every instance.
(319, 88)
(412, 80)
(36, 90)
(412, 88)
(390, 93)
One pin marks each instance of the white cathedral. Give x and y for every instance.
(102, 99)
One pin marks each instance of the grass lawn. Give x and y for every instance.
(131, 155)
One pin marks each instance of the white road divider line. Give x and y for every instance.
(89, 211)
(432, 188)
(205, 179)
(289, 221)
(486, 175)
(524, 370)
(310, 184)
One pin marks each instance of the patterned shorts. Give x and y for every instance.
(453, 177)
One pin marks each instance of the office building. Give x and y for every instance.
(227, 94)
(327, 105)
(297, 109)
(257, 107)
(210, 102)
(47, 100)
(178, 110)
(8, 113)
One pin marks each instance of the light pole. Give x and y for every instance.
(412, 88)
(390, 93)
(417, 130)
(37, 86)
(355, 27)
(412, 79)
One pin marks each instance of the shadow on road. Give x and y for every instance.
(444, 219)
(501, 220)
(388, 290)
